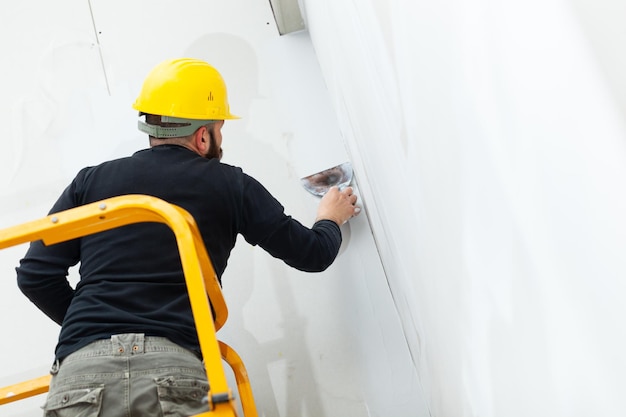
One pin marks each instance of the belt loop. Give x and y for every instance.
(117, 345)
(138, 343)
(55, 367)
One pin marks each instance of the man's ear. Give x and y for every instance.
(201, 140)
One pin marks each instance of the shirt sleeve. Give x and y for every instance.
(266, 224)
(42, 273)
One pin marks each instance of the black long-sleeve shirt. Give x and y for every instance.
(131, 280)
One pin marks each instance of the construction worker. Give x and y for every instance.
(128, 344)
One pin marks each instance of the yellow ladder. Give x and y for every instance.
(199, 275)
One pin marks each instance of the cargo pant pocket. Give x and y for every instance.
(74, 402)
(182, 396)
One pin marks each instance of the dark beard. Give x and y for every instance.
(214, 150)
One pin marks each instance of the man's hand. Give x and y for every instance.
(338, 206)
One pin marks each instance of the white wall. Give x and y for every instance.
(489, 145)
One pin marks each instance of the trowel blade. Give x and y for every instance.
(319, 184)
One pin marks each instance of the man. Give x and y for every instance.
(128, 344)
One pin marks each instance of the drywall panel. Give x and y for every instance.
(328, 344)
(50, 67)
(492, 139)
(48, 64)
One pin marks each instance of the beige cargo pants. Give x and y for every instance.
(128, 375)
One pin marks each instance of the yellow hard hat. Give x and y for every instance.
(185, 88)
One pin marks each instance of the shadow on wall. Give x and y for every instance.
(237, 61)
(281, 369)
(602, 23)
